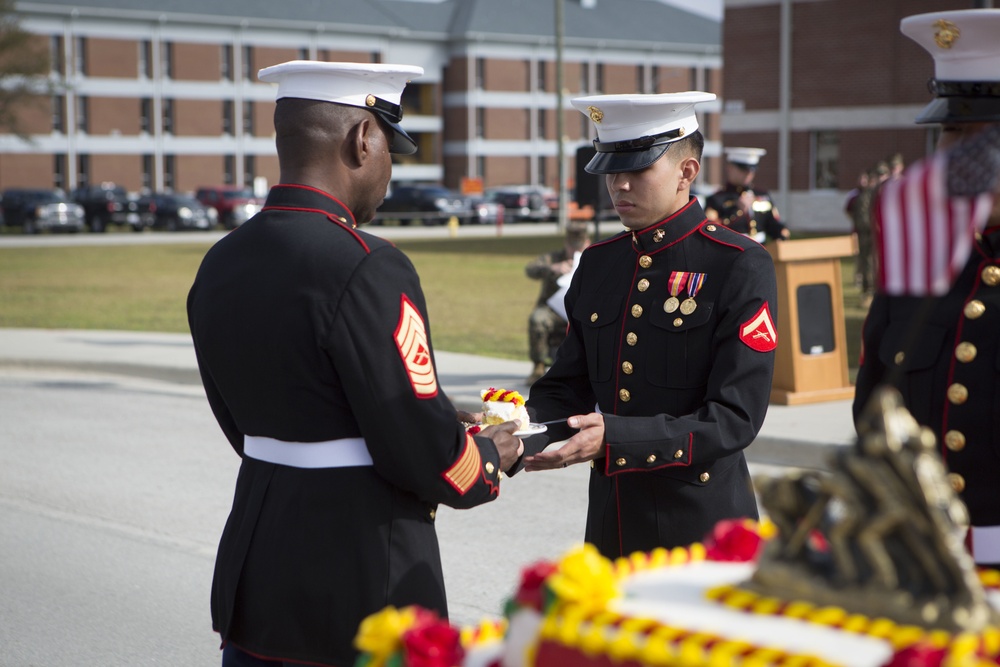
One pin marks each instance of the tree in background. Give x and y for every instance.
(24, 68)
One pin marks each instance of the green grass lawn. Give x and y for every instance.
(477, 293)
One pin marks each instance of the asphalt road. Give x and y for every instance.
(113, 493)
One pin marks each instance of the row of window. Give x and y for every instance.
(167, 119)
(642, 84)
(169, 167)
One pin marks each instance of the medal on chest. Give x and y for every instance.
(675, 285)
(695, 281)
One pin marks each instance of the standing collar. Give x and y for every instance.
(670, 230)
(307, 198)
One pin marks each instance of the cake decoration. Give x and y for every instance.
(503, 405)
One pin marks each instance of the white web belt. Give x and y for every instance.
(341, 453)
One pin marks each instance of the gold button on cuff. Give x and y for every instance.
(631, 338)
(703, 477)
(620, 461)
(625, 395)
(627, 367)
(645, 261)
(958, 394)
(957, 482)
(636, 311)
(711, 228)
(679, 454)
(593, 317)
(679, 321)
(651, 458)
(433, 513)
(643, 285)
(965, 352)
(974, 309)
(489, 468)
(991, 275)
(899, 358)
(954, 440)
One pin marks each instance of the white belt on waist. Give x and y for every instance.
(984, 543)
(342, 453)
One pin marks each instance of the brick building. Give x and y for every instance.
(164, 95)
(829, 88)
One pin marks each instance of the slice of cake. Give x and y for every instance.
(501, 405)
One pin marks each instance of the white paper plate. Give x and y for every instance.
(533, 429)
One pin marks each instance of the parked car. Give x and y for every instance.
(175, 212)
(109, 204)
(35, 210)
(485, 212)
(522, 203)
(428, 204)
(235, 204)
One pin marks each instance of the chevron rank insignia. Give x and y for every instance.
(758, 332)
(411, 340)
(465, 471)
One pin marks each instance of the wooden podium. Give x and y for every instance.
(810, 365)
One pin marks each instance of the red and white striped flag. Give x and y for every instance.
(924, 235)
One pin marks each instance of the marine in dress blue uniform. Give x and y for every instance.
(670, 348)
(313, 346)
(943, 353)
(758, 218)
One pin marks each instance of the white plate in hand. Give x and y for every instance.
(532, 429)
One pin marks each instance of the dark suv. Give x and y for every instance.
(427, 204)
(37, 209)
(109, 204)
(523, 203)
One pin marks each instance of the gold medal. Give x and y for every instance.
(671, 304)
(688, 306)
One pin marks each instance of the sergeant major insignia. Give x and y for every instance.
(411, 340)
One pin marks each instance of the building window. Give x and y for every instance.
(248, 118)
(168, 116)
(145, 116)
(82, 170)
(249, 169)
(81, 113)
(584, 77)
(303, 53)
(57, 61)
(599, 78)
(585, 124)
(480, 73)
(247, 70)
(640, 79)
(227, 117)
(481, 166)
(167, 58)
(654, 79)
(147, 173)
(226, 62)
(541, 123)
(693, 83)
(169, 172)
(826, 154)
(542, 82)
(80, 56)
(480, 123)
(59, 171)
(229, 169)
(542, 173)
(59, 114)
(146, 59)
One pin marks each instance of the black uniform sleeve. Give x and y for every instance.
(379, 343)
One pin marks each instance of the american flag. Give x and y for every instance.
(923, 234)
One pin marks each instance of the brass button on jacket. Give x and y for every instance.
(899, 358)
(636, 311)
(958, 394)
(991, 275)
(620, 461)
(625, 395)
(679, 454)
(954, 440)
(627, 367)
(965, 352)
(645, 261)
(651, 458)
(974, 309)
(704, 477)
(957, 482)
(631, 338)
(489, 468)
(643, 285)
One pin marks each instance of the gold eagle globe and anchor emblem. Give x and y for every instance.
(370, 100)
(596, 114)
(946, 33)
